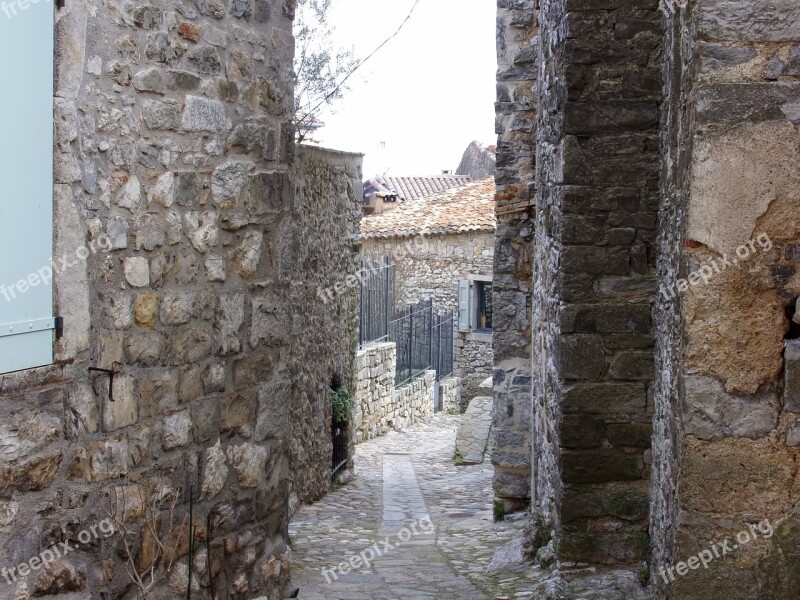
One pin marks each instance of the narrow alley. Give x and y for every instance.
(403, 480)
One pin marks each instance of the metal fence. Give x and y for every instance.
(376, 300)
(424, 341)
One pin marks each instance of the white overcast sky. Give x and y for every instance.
(426, 95)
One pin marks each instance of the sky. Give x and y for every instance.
(417, 104)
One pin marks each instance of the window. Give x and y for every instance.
(484, 305)
(475, 305)
(26, 189)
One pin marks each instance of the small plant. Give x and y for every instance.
(499, 510)
(342, 403)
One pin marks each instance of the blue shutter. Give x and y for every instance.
(26, 186)
(463, 305)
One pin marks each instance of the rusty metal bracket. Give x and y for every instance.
(110, 374)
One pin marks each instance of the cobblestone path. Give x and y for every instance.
(424, 525)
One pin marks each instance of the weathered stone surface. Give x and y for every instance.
(791, 389)
(203, 114)
(473, 433)
(137, 271)
(177, 430)
(146, 310)
(59, 577)
(711, 413)
(163, 191)
(161, 114)
(250, 463)
(215, 475)
(511, 554)
(750, 20)
(247, 256)
(230, 317)
(228, 181)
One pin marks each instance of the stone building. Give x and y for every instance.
(174, 196)
(645, 381)
(442, 247)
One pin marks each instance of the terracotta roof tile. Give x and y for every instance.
(458, 210)
(412, 188)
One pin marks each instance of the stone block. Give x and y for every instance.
(177, 430)
(101, 461)
(272, 418)
(712, 413)
(161, 114)
(124, 411)
(250, 464)
(176, 308)
(146, 310)
(158, 392)
(137, 271)
(595, 260)
(600, 465)
(189, 344)
(791, 389)
(204, 114)
(582, 431)
(605, 398)
(581, 356)
(749, 20)
(632, 366)
(215, 474)
(205, 420)
(237, 412)
(473, 432)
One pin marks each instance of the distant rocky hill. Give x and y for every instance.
(478, 161)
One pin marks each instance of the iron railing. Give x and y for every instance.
(339, 438)
(424, 341)
(376, 301)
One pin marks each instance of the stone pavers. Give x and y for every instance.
(405, 479)
(473, 433)
(435, 516)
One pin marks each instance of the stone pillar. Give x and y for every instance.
(597, 197)
(727, 411)
(516, 112)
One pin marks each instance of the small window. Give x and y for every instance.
(475, 306)
(483, 294)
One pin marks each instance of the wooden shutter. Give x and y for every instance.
(464, 305)
(26, 187)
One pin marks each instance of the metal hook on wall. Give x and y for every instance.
(110, 374)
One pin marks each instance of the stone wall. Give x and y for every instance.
(727, 411)
(173, 138)
(430, 267)
(379, 405)
(596, 72)
(327, 211)
(517, 57)
(450, 394)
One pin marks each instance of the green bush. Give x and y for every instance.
(342, 403)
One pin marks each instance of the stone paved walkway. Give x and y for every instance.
(407, 487)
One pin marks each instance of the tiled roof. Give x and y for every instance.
(411, 188)
(459, 210)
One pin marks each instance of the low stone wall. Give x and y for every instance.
(379, 406)
(450, 393)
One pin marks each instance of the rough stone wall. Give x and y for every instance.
(325, 220)
(732, 410)
(430, 267)
(450, 394)
(517, 57)
(598, 89)
(173, 139)
(380, 406)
